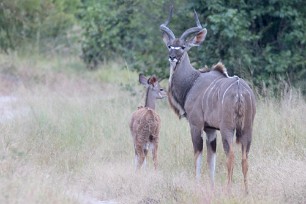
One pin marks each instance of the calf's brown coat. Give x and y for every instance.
(145, 123)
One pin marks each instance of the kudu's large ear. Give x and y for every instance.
(198, 39)
(143, 80)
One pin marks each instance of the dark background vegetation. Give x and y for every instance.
(262, 41)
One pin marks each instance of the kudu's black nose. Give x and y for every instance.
(172, 58)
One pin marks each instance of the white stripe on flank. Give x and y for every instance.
(214, 82)
(209, 86)
(250, 96)
(206, 91)
(228, 89)
(211, 89)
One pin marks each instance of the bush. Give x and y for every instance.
(34, 21)
(262, 41)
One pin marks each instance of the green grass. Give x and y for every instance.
(73, 142)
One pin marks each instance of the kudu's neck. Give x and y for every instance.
(184, 68)
(181, 81)
(150, 99)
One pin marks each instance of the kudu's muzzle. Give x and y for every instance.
(172, 59)
(173, 55)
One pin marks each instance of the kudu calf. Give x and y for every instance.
(210, 101)
(145, 122)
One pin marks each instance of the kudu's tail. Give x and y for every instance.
(240, 114)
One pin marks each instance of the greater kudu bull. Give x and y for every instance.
(210, 101)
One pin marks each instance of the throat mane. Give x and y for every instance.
(178, 91)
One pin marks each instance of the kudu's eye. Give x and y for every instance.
(169, 47)
(183, 47)
(161, 89)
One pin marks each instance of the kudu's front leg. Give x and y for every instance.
(197, 141)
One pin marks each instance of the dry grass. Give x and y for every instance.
(73, 144)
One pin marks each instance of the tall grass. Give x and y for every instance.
(73, 144)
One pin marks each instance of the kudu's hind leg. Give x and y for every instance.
(227, 140)
(211, 144)
(197, 142)
(245, 167)
(245, 147)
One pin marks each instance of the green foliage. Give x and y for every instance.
(125, 28)
(263, 41)
(22, 21)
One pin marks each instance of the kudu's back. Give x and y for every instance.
(224, 102)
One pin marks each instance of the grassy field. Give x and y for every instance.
(69, 142)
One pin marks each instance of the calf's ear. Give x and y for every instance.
(143, 80)
(152, 80)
